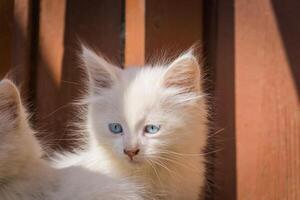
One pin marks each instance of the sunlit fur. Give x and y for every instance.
(24, 175)
(170, 162)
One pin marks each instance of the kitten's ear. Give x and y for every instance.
(102, 74)
(10, 104)
(184, 73)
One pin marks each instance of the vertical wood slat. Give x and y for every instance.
(134, 32)
(16, 43)
(267, 99)
(6, 21)
(220, 46)
(155, 27)
(23, 43)
(172, 27)
(59, 81)
(258, 71)
(49, 64)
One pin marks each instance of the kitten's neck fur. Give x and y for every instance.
(163, 179)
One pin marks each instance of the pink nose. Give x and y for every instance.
(131, 153)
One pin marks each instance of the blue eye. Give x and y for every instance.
(151, 129)
(115, 128)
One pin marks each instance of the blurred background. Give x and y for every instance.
(251, 56)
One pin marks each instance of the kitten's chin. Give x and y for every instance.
(134, 162)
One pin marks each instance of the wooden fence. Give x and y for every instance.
(252, 51)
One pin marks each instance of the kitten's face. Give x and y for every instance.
(146, 113)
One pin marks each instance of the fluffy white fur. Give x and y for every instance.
(24, 175)
(170, 162)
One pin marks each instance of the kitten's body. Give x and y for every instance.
(24, 175)
(170, 163)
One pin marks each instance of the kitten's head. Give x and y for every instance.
(17, 143)
(145, 113)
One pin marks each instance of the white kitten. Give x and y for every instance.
(25, 176)
(150, 122)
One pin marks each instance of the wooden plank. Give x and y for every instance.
(59, 81)
(209, 38)
(267, 99)
(156, 27)
(219, 35)
(22, 46)
(6, 21)
(259, 71)
(172, 27)
(134, 32)
(49, 66)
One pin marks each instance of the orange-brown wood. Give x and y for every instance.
(51, 42)
(172, 27)
(253, 49)
(49, 65)
(157, 27)
(267, 99)
(134, 33)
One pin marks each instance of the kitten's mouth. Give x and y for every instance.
(134, 161)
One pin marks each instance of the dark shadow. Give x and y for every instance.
(287, 16)
(6, 19)
(220, 52)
